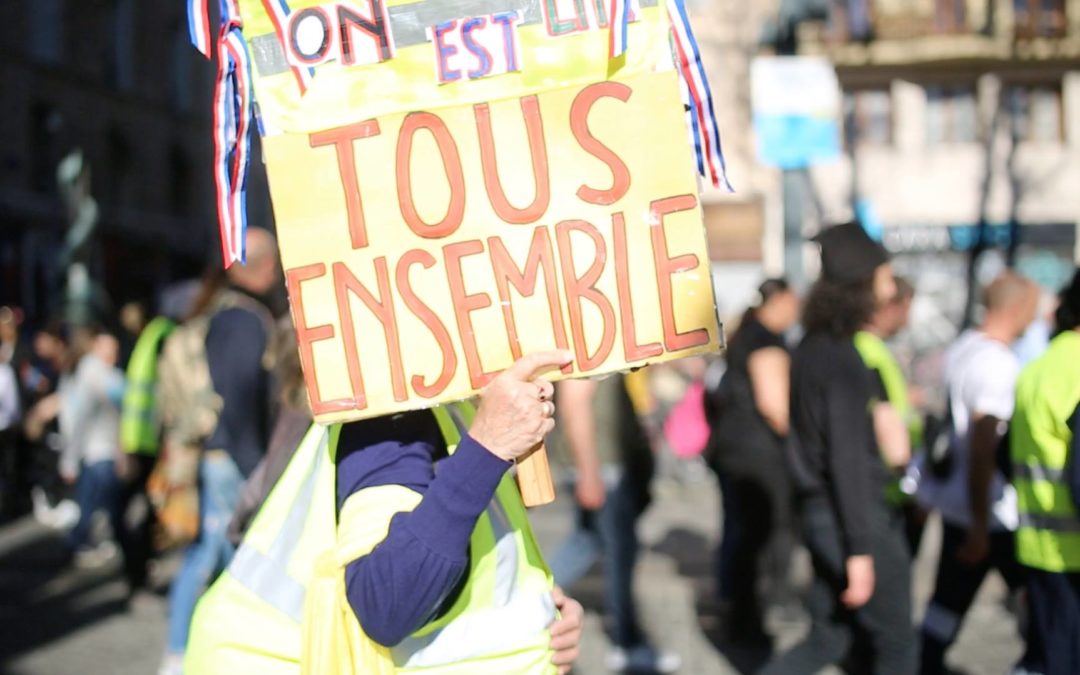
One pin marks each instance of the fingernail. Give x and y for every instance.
(567, 355)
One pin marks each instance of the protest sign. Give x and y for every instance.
(456, 184)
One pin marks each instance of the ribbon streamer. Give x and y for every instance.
(198, 15)
(232, 140)
(709, 150)
(618, 28)
(278, 11)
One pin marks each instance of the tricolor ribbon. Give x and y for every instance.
(198, 16)
(618, 28)
(232, 140)
(711, 163)
(278, 11)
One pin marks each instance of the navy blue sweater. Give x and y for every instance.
(407, 580)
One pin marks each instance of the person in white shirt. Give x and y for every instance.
(977, 507)
(90, 425)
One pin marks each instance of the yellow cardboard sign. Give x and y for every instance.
(426, 248)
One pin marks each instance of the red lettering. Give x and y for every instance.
(507, 274)
(667, 266)
(431, 320)
(632, 350)
(342, 139)
(383, 309)
(465, 304)
(451, 161)
(584, 288)
(579, 125)
(534, 127)
(306, 336)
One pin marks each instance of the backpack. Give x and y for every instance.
(190, 410)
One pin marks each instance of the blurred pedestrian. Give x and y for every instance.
(218, 355)
(140, 441)
(89, 415)
(977, 508)
(1045, 452)
(860, 600)
(41, 433)
(746, 449)
(14, 451)
(898, 424)
(291, 423)
(614, 465)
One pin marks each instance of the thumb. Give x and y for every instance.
(528, 367)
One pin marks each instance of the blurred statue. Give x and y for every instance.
(73, 179)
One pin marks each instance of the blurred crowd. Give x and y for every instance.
(167, 431)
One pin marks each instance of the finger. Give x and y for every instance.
(565, 641)
(547, 389)
(565, 657)
(559, 597)
(528, 367)
(564, 670)
(546, 426)
(547, 409)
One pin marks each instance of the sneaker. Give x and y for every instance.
(172, 664)
(642, 659)
(92, 558)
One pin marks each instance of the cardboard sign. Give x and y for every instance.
(426, 246)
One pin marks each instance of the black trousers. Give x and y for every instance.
(955, 589)
(878, 635)
(1054, 643)
(136, 538)
(757, 541)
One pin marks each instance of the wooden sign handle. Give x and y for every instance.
(534, 479)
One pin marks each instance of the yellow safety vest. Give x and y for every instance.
(280, 607)
(1047, 394)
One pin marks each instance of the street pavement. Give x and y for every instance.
(56, 620)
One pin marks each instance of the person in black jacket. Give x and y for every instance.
(860, 602)
(746, 448)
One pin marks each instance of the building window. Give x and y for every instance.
(120, 47)
(180, 57)
(121, 177)
(950, 16)
(1039, 18)
(851, 20)
(46, 126)
(181, 197)
(1036, 114)
(46, 30)
(871, 116)
(951, 115)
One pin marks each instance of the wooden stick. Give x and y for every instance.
(534, 479)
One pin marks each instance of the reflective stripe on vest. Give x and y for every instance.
(513, 611)
(266, 574)
(1059, 524)
(1031, 470)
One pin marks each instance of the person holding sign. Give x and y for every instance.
(431, 565)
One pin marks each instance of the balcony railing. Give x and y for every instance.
(866, 20)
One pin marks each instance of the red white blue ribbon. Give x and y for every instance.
(711, 163)
(198, 15)
(232, 140)
(278, 11)
(618, 28)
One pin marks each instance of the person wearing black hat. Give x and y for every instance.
(860, 602)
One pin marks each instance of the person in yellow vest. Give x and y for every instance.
(1044, 444)
(398, 545)
(898, 427)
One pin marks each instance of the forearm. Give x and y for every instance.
(403, 583)
(985, 435)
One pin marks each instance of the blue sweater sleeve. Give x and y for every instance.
(406, 580)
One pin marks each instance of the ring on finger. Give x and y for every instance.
(547, 408)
